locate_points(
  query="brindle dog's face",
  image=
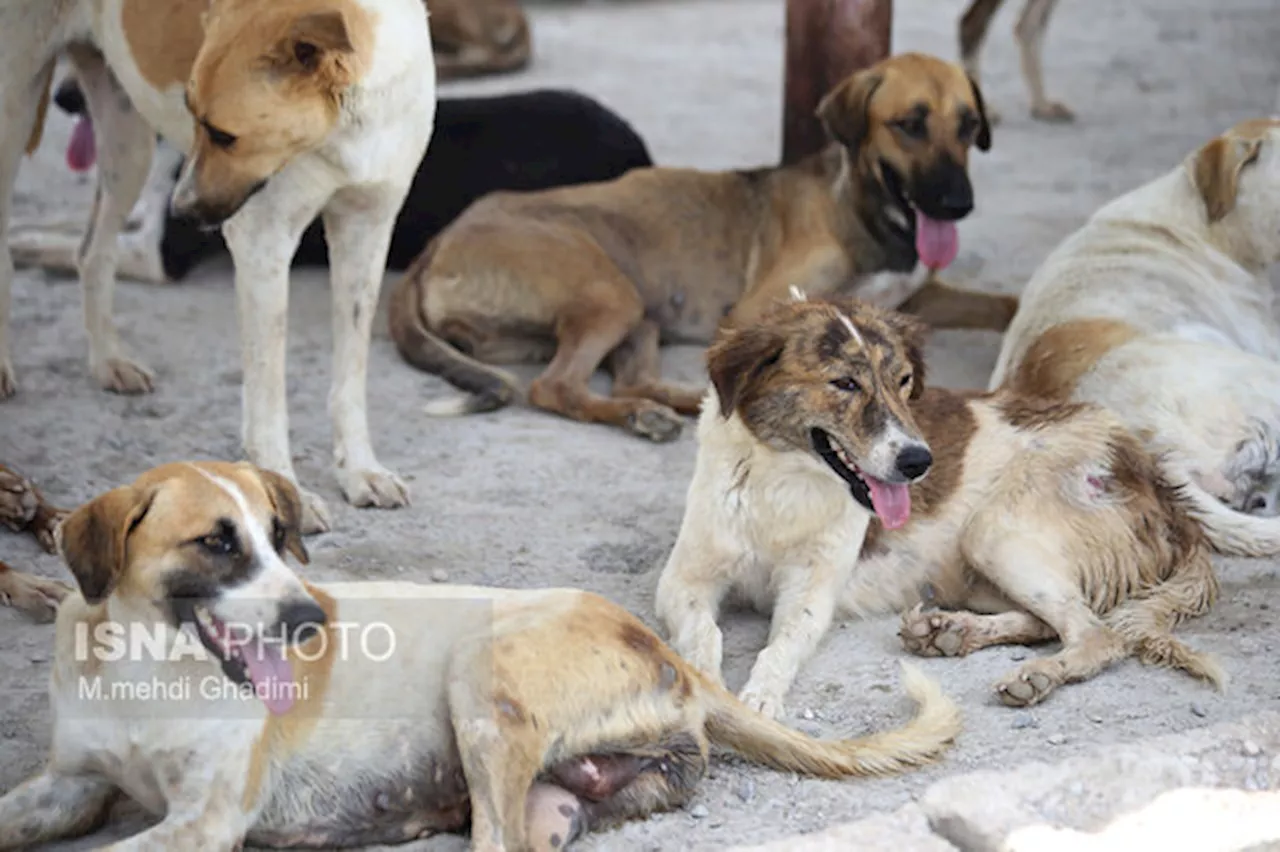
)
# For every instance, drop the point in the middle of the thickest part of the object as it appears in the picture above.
(831, 378)
(909, 122)
(266, 86)
(199, 546)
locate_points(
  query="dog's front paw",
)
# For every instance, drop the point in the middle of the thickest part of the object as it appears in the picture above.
(8, 379)
(315, 514)
(374, 487)
(1053, 112)
(1029, 685)
(766, 702)
(18, 500)
(656, 422)
(121, 375)
(934, 633)
(35, 596)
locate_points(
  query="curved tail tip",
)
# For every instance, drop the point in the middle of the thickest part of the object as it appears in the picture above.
(928, 695)
(447, 406)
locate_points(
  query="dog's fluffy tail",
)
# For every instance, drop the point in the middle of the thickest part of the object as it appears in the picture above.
(732, 724)
(487, 388)
(1230, 532)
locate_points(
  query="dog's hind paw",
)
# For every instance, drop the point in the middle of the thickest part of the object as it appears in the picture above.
(1025, 687)
(374, 487)
(655, 422)
(120, 375)
(767, 704)
(934, 633)
(35, 596)
(315, 514)
(8, 380)
(1053, 112)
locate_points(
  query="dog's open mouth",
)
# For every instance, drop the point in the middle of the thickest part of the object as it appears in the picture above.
(249, 659)
(937, 240)
(891, 502)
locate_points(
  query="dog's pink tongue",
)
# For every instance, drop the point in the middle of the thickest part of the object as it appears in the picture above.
(82, 150)
(891, 502)
(271, 673)
(937, 242)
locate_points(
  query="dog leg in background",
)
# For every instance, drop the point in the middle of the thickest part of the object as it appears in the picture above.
(358, 231)
(826, 41)
(53, 806)
(1030, 33)
(262, 237)
(943, 306)
(636, 365)
(802, 615)
(974, 25)
(125, 146)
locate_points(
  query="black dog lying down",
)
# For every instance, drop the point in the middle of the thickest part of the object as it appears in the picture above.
(523, 141)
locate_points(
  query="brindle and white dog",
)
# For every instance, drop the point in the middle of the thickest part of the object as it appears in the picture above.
(810, 495)
(529, 714)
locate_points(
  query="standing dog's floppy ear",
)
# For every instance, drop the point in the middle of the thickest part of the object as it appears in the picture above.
(738, 358)
(319, 44)
(914, 333)
(843, 111)
(983, 139)
(94, 539)
(288, 506)
(1216, 172)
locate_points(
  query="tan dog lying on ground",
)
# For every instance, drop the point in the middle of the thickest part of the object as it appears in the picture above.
(23, 509)
(604, 272)
(1029, 32)
(472, 38)
(810, 495)
(360, 713)
(1160, 308)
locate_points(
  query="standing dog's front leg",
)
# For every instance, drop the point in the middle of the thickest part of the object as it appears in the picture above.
(53, 806)
(802, 615)
(358, 225)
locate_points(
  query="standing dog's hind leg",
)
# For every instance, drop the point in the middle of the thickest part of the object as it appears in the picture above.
(125, 145)
(1030, 34)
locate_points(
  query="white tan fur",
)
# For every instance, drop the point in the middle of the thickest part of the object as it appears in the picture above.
(1044, 520)
(1160, 308)
(355, 173)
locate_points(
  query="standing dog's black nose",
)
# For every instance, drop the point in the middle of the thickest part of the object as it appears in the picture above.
(300, 620)
(915, 461)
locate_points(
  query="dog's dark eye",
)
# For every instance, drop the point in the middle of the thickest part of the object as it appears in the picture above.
(913, 127)
(277, 535)
(906, 381)
(220, 138)
(221, 543)
(968, 127)
(846, 384)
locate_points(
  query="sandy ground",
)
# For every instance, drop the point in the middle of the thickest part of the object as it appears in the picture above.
(519, 498)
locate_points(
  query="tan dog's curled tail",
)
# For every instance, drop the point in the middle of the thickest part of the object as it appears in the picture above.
(487, 388)
(732, 724)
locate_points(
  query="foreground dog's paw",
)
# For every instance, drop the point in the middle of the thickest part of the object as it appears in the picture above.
(934, 633)
(18, 500)
(373, 487)
(120, 375)
(45, 526)
(315, 514)
(655, 422)
(764, 702)
(35, 596)
(1025, 687)
(8, 381)
(1053, 112)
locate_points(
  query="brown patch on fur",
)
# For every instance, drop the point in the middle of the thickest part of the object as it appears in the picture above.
(1058, 358)
(1216, 167)
(164, 38)
(249, 124)
(1032, 413)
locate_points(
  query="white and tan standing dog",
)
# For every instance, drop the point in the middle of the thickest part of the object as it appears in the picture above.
(1160, 309)
(830, 479)
(257, 708)
(288, 109)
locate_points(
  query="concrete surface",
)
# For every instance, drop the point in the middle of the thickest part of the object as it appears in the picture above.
(519, 498)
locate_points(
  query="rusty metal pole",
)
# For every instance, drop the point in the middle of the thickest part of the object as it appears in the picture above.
(827, 40)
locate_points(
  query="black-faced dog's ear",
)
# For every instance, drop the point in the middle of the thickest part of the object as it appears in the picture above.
(288, 507)
(1216, 172)
(843, 111)
(94, 539)
(914, 333)
(983, 139)
(737, 359)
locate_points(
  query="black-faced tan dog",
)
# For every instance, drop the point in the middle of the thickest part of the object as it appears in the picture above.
(531, 715)
(605, 272)
(830, 478)
(287, 110)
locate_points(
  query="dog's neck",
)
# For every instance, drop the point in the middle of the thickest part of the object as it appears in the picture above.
(865, 213)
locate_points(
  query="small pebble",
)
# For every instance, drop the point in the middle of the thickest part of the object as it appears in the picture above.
(1250, 748)
(1057, 739)
(747, 790)
(699, 812)
(1018, 655)
(807, 713)
(1094, 718)
(1024, 720)
(399, 569)
(1200, 710)
(439, 575)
